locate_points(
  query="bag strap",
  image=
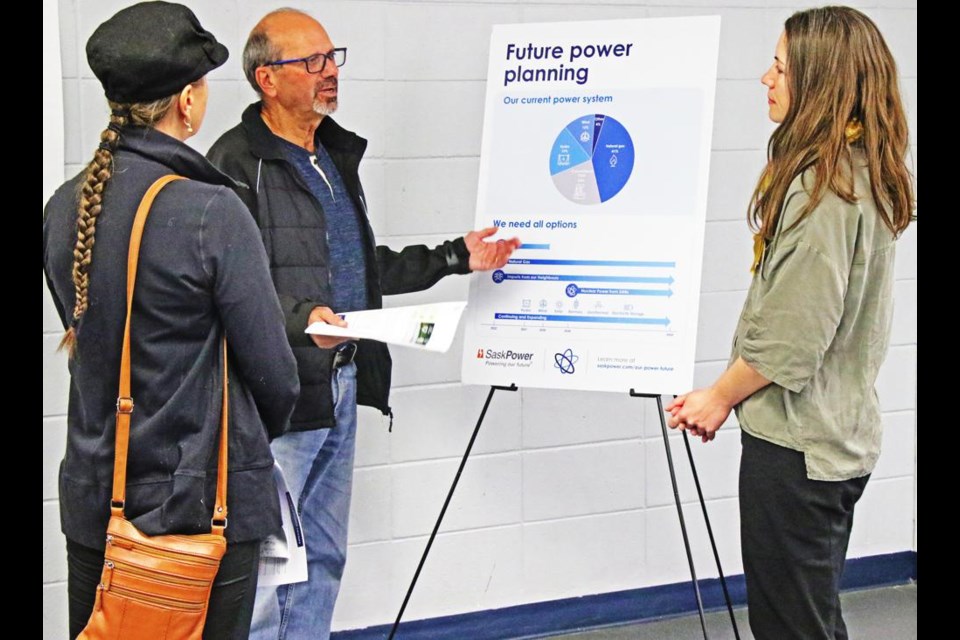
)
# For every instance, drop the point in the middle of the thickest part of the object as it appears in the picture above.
(124, 399)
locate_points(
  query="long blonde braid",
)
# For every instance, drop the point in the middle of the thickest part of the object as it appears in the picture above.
(90, 198)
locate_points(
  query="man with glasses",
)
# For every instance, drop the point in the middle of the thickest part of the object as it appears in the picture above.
(300, 171)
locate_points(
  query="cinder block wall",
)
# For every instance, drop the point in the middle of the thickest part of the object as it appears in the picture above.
(567, 494)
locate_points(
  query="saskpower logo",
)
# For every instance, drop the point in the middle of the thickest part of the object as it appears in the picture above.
(507, 354)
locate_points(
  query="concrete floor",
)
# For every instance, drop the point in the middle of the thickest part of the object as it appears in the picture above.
(885, 613)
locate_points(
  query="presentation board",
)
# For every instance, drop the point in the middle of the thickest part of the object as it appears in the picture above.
(595, 153)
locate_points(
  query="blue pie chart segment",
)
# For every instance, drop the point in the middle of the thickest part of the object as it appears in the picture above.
(585, 131)
(567, 152)
(592, 159)
(612, 158)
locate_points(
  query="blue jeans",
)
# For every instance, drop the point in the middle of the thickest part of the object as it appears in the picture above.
(318, 468)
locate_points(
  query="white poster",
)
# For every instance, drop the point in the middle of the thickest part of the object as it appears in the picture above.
(596, 152)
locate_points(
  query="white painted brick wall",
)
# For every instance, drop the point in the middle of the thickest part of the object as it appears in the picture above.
(378, 568)
(566, 494)
(606, 552)
(370, 515)
(726, 266)
(718, 319)
(571, 11)
(433, 119)
(371, 120)
(468, 570)
(55, 610)
(583, 479)
(666, 561)
(435, 422)
(373, 440)
(577, 417)
(879, 525)
(486, 495)
(733, 175)
(442, 52)
(443, 206)
(717, 466)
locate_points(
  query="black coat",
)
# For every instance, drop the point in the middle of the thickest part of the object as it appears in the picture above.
(202, 271)
(293, 227)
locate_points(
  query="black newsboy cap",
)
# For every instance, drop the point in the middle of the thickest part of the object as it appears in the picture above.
(152, 50)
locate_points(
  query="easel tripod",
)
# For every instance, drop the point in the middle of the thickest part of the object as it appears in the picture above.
(676, 495)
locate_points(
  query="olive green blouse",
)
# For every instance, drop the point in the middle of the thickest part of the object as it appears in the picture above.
(816, 323)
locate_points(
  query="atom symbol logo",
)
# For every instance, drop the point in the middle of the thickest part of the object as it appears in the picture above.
(565, 361)
(499, 276)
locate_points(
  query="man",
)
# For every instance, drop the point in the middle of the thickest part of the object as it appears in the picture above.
(301, 170)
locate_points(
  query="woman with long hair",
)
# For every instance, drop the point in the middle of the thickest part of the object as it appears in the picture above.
(202, 276)
(827, 210)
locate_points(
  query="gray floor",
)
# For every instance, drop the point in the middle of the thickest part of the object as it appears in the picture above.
(889, 612)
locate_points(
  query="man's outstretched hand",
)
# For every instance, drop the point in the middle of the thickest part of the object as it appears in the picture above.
(486, 255)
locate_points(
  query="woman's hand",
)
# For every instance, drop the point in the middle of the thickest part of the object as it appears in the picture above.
(701, 412)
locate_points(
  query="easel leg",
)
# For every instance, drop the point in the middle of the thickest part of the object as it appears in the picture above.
(443, 510)
(713, 542)
(676, 497)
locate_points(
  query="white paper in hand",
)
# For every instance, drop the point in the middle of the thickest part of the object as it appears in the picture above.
(427, 326)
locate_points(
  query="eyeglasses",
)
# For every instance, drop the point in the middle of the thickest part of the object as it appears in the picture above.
(317, 62)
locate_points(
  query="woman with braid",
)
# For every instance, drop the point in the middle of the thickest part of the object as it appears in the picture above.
(202, 275)
(828, 208)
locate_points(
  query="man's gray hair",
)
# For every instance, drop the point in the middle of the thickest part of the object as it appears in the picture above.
(259, 50)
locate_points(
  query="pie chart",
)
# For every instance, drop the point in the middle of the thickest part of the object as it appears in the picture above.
(591, 159)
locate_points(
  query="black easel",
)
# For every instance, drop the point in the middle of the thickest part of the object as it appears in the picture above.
(683, 524)
(676, 495)
(446, 503)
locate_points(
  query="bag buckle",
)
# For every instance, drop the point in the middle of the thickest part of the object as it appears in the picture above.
(125, 405)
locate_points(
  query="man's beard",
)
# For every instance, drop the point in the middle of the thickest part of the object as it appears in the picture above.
(323, 106)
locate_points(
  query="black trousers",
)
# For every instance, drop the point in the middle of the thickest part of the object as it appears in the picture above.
(794, 533)
(231, 600)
